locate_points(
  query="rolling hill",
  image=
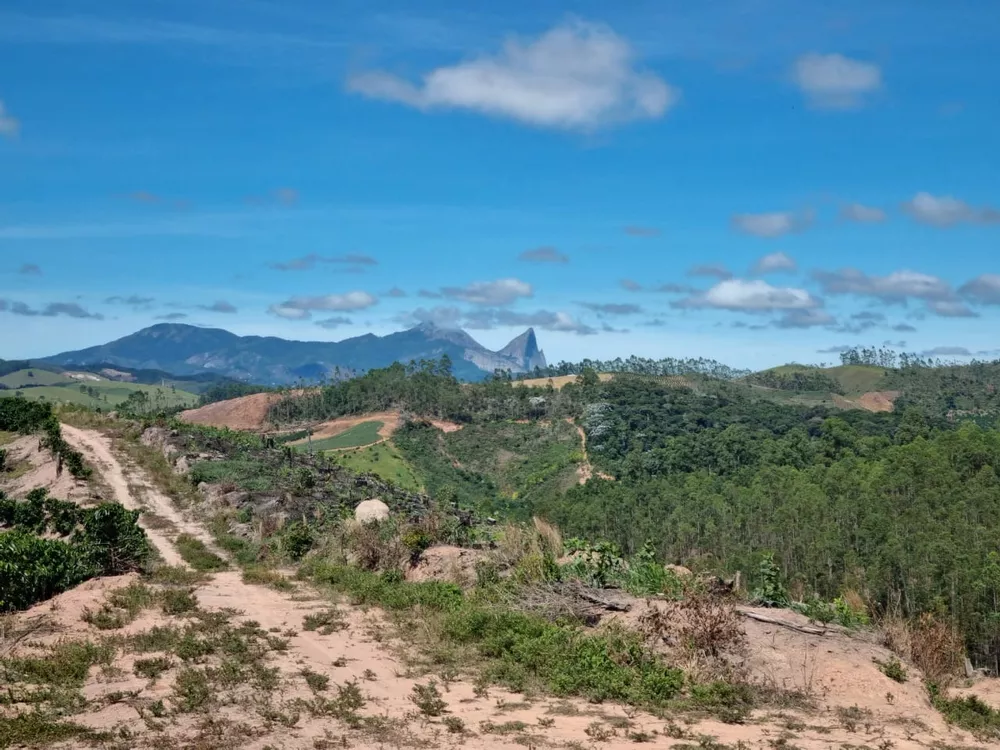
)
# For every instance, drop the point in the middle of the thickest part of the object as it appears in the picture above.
(190, 350)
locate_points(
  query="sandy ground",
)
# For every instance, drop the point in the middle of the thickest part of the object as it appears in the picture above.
(835, 670)
(558, 381)
(872, 401)
(243, 413)
(38, 468)
(585, 471)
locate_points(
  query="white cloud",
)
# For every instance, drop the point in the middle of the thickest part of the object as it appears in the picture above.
(491, 293)
(9, 125)
(834, 81)
(773, 262)
(301, 308)
(774, 224)
(549, 321)
(751, 296)
(895, 287)
(578, 76)
(862, 214)
(945, 211)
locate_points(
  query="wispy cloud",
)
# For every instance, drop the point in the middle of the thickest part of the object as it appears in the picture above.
(547, 254)
(715, 270)
(174, 316)
(945, 211)
(335, 322)
(894, 287)
(774, 262)
(630, 286)
(132, 300)
(220, 306)
(51, 310)
(774, 224)
(637, 231)
(310, 261)
(834, 81)
(578, 76)
(862, 214)
(10, 126)
(490, 293)
(30, 269)
(611, 308)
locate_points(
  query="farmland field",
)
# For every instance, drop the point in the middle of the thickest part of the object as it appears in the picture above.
(363, 434)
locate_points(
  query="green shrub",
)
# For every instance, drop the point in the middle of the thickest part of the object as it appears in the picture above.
(969, 713)
(34, 569)
(771, 591)
(296, 540)
(113, 539)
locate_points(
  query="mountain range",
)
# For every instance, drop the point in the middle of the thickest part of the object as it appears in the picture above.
(189, 350)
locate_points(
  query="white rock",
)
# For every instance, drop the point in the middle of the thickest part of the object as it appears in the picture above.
(371, 511)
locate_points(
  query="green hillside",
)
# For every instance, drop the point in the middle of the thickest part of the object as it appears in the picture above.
(32, 377)
(103, 394)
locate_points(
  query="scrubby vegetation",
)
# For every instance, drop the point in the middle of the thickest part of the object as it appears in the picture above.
(28, 417)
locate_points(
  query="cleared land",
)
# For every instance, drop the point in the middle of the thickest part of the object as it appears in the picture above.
(243, 413)
(559, 381)
(384, 461)
(22, 378)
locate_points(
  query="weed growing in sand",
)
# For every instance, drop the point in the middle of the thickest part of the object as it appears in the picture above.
(38, 729)
(454, 724)
(325, 622)
(265, 577)
(317, 682)
(192, 690)
(178, 601)
(197, 555)
(65, 665)
(892, 668)
(428, 699)
(151, 668)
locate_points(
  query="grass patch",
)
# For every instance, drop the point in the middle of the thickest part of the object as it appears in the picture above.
(265, 577)
(519, 651)
(362, 434)
(197, 555)
(178, 601)
(66, 665)
(151, 668)
(173, 575)
(384, 461)
(37, 729)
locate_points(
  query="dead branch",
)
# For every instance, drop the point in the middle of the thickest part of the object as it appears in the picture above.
(808, 630)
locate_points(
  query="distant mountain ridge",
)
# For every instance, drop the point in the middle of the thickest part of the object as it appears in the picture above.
(190, 350)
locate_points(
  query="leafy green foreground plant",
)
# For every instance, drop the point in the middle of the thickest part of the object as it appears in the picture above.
(107, 541)
(520, 651)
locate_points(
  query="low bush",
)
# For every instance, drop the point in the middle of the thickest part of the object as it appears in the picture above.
(969, 713)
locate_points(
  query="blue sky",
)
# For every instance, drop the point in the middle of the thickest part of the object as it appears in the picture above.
(751, 180)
